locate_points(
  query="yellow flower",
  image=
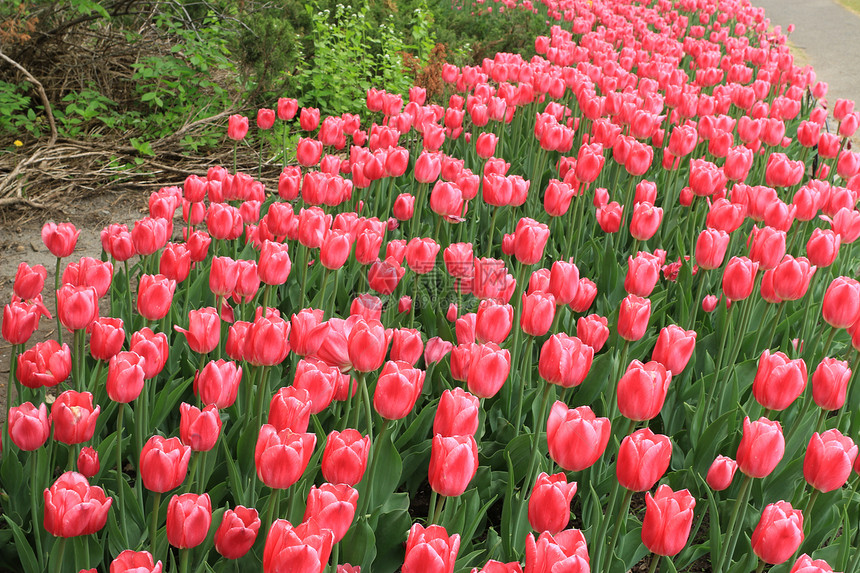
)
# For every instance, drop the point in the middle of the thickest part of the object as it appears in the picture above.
(18, 143)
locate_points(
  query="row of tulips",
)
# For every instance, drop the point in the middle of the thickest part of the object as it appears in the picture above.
(309, 399)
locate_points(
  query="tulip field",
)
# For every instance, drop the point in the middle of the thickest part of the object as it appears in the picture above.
(596, 310)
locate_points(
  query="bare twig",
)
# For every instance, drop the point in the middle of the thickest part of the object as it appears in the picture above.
(42, 95)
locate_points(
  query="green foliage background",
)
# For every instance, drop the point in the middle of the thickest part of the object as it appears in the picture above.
(156, 67)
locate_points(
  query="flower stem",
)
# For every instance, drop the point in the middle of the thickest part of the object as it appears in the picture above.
(524, 379)
(619, 519)
(153, 524)
(119, 478)
(58, 566)
(57, 300)
(34, 507)
(655, 559)
(738, 510)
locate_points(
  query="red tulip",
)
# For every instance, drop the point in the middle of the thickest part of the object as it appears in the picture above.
(163, 463)
(74, 417)
(367, 345)
(668, 519)
(566, 551)
(397, 389)
(711, 248)
(60, 239)
(739, 278)
(456, 414)
(89, 272)
(453, 464)
(20, 321)
(188, 519)
(805, 564)
(406, 345)
(762, 447)
(77, 307)
(549, 503)
(841, 306)
(29, 427)
(645, 221)
(778, 534)
(153, 348)
(198, 429)
(237, 127)
(721, 473)
(224, 222)
(237, 532)
(281, 457)
(154, 296)
(828, 460)
(642, 390)
(538, 311)
(576, 438)
(290, 409)
(642, 274)
(565, 360)
(301, 549)
(633, 317)
(674, 348)
(107, 337)
(830, 383)
(767, 247)
(489, 367)
(116, 240)
(88, 462)
(642, 459)
(134, 562)
(45, 364)
(29, 281)
(204, 330)
(430, 550)
(125, 377)
(265, 118)
(823, 247)
(345, 457)
(493, 321)
(218, 383)
(268, 340)
(150, 234)
(320, 381)
(333, 507)
(778, 380)
(384, 275)
(593, 331)
(494, 566)
(73, 507)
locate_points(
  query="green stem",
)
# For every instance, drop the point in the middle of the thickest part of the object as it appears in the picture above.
(262, 392)
(760, 567)
(697, 301)
(56, 300)
(655, 559)
(34, 508)
(153, 524)
(271, 509)
(524, 379)
(739, 509)
(431, 510)
(365, 398)
(58, 565)
(119, 477)
(192, 471)
(492, 231)
(536, 437)
(184, 566)
(439, 506)
(619, 519)
(346, 413)
(807, 512)
(719, 361)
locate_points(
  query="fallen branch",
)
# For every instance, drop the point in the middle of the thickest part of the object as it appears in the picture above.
(42, 95)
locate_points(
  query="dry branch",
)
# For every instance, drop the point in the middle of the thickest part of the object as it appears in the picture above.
(42, 95)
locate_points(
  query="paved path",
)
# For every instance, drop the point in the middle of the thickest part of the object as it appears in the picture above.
(827, 33)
